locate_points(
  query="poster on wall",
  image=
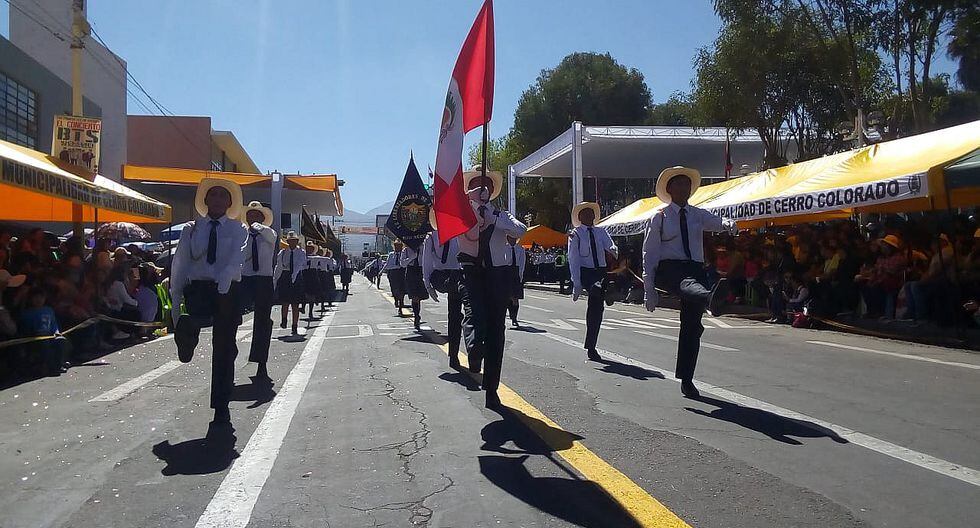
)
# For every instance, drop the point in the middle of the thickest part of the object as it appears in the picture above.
(76, 140)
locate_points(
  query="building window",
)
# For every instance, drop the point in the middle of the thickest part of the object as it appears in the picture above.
(18, 113)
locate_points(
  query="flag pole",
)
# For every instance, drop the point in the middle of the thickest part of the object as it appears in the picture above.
(484, 164)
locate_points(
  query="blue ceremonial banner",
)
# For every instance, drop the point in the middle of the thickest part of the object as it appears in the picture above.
(409, 218)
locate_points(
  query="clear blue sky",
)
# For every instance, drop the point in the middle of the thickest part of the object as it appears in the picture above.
(352, 86)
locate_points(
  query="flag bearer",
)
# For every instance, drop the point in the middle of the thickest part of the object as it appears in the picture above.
(414, 285)
(486, 278)
(207, 269)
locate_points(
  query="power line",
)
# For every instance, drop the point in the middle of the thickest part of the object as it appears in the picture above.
(33, 17)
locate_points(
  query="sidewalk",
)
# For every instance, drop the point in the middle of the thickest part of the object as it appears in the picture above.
(901, 330)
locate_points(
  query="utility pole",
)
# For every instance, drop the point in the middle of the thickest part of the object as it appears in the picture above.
(80, 30)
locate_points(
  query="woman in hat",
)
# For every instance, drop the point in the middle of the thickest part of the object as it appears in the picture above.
(258, 287)
(673, 260)
(591, 253)
(289, 287)
(207, 269)
(395, 270)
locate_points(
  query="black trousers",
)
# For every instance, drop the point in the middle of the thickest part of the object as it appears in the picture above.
(486, 294)
(594, 284)
(512, 307)
(687, 280)
(224, 312)
(455, 301)
(257, 291)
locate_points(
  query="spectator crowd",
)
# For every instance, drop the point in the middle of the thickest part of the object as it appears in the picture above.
(50, 285)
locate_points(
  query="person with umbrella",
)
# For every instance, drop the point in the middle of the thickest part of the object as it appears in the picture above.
(257, 285)
(207, 269)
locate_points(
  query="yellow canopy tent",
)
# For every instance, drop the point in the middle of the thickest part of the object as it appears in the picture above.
(632, 219)
(903, 175)
(543, 236)
(323, 183)
(35, 187)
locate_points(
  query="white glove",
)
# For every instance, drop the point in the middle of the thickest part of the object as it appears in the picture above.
(650, 299)
(432, 293)
(576, 292)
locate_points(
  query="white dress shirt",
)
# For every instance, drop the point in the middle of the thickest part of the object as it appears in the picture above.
(580, 250)
(410, 257)
(394, 261)
(327, 264)
(517, 251)
(264, 237)
(663, 240)
(503, 224)
(282, 263)
(432, 256)
(190, 261)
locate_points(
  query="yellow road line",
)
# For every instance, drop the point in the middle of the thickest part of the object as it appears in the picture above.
(646, 510)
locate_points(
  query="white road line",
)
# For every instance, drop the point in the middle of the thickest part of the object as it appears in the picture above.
(536, 308)
(937, 465)
(232, 504)
(896, 354)
(674, 338)
(536, 297)
(718, 322)
(135, 383)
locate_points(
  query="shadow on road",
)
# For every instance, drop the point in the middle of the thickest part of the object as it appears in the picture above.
(576, 501)
(572, 499)
(201, 456)
(765, 422)
(461, 378)
(630, 371)
(259, 392)
(528, 329)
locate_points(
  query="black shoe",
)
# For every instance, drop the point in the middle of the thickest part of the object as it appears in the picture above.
(689, 390)
(513, 323)
(718, 297)
(418, 322)
(493, 401)
(222, 415)
(185, 339)
(282, 324)
(593, 355)
(295, 330)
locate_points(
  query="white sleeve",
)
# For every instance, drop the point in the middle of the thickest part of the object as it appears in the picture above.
(510, 225)
(712, 222)
(277, 270)
(612, 245)
(651, 250)
(573, 259)
(427, 255)
(233, 269)
(179, 265)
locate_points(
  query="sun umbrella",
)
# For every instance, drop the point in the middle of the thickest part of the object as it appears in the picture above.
(122, 232)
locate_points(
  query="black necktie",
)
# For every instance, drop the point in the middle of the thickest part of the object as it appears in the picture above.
(684, 234)
(398, 259)
(213, 242)
(445, 252)
(513, 255)
(255, 252)
(595, 254)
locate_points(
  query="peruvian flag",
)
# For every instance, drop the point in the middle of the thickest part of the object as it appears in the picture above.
(469, 104)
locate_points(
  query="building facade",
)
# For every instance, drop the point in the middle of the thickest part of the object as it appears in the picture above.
(103, 72)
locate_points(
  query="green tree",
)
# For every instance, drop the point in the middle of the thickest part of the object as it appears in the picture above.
(678, 110)
(964, 45)
(588, 87)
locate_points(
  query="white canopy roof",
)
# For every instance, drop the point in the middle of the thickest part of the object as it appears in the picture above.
(643, 151)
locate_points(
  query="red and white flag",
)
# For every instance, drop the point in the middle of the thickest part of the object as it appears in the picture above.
(469, 104)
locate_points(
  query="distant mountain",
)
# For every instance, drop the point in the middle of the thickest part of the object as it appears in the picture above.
(352, 217)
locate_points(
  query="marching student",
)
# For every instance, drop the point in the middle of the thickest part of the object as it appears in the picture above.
(516, 262)
(328, 277)
(441, 273)
(673, 260)
(395, 270)
(311, 278)
(346, 272)
(590, 252)
(207, 269)
(289, 288)
(258, 288)
(414, 284)
(486, 278)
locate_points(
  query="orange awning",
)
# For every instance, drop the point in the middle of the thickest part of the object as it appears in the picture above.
(544, 236)
(35, 187)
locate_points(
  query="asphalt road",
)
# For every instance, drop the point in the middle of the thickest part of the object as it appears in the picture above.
(367, 426)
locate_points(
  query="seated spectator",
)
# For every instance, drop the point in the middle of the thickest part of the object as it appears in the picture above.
(8, 328)
(119, 304)
(800, 296)
(38, 319)
(881, 282)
